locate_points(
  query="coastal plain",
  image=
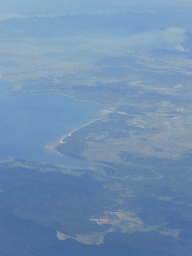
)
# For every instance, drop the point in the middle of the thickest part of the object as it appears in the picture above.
(138, 177)
(118, 182)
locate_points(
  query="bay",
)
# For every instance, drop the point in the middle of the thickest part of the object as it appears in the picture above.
(31, 121)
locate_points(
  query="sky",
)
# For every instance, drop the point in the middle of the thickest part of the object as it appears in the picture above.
(59, 7)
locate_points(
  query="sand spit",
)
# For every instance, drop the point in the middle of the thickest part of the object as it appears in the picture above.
(69, 134)
(51, 148)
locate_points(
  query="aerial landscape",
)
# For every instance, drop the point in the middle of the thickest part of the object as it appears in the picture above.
(96, 128)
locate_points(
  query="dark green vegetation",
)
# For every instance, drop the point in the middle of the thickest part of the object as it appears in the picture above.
(130, 191)
(37, 200)
(58, 201)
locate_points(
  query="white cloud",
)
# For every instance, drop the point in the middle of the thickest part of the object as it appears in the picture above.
(170, 38)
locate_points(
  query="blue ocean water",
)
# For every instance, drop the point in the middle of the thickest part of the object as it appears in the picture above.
(31, 121)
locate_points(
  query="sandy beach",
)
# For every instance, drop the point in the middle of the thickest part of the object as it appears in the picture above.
(51, 148)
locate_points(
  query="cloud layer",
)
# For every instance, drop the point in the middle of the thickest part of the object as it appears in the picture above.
(170, 38)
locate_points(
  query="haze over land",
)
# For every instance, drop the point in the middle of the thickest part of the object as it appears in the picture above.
(119, 182)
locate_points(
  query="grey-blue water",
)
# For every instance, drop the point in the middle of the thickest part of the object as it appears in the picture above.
(29, 122)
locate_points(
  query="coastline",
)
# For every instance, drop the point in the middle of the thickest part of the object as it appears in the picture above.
(69, 134)
(51, 148)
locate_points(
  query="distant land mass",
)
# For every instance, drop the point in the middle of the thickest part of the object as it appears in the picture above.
(96, 131)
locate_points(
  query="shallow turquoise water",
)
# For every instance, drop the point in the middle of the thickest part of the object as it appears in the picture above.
(29, 122)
